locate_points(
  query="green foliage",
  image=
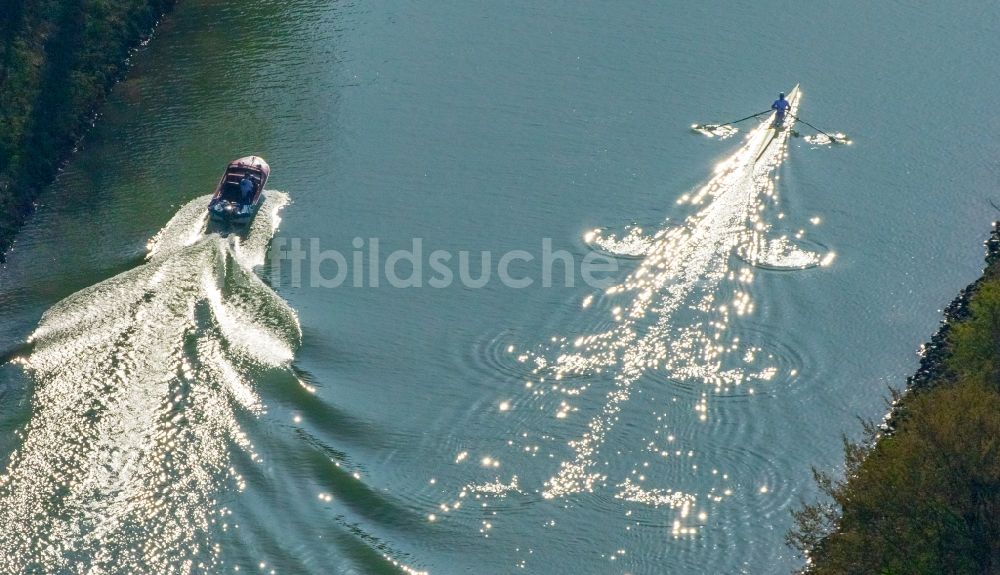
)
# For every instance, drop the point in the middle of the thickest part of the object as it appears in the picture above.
(976, 343)
(58, 58)
(926, 499)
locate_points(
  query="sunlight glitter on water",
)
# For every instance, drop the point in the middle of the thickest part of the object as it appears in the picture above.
(139, 383)
(680, 273)
(683, 268)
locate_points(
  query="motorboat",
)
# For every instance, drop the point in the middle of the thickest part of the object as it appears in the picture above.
(231, 203)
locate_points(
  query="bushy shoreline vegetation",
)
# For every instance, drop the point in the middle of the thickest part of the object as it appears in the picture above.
(58, 59)
(922, 491)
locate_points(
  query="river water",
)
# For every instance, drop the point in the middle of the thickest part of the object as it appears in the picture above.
(176, 399)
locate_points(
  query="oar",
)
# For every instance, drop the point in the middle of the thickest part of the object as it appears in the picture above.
(833, 139)
(714, 126)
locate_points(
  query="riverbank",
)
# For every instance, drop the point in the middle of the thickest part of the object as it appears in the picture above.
(58, 61)
(922, 490)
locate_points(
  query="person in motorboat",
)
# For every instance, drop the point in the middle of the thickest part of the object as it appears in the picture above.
(246, 188)
(780, 107)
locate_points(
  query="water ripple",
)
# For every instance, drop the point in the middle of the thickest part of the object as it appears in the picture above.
(140, 382)
(679, 332)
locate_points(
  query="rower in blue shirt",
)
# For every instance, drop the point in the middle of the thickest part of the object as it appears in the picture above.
(780, 106)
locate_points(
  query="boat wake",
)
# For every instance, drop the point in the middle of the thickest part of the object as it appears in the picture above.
(681, 274)
(140, 385)
(670, 321)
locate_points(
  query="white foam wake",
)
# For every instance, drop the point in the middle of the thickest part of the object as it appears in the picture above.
(140, 380)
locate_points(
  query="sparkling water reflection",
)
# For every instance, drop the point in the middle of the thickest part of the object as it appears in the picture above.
(139, 383)
(674, 317)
